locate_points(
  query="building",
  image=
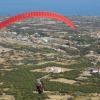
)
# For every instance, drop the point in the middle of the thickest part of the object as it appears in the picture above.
(91, 52)
(95, 70)
(56, 70)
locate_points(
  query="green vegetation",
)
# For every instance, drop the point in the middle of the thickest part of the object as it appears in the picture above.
(21, 82)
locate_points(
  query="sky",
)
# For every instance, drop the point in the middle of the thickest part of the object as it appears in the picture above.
(65, 7)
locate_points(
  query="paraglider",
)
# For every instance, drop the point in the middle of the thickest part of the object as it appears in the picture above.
(40, 87)
(36, 14)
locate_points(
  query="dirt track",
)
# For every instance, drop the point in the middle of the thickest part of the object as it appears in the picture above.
(64, 80)
(7, 97)
(58, 97)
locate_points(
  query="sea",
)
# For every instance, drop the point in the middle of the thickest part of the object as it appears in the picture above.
(63, 12)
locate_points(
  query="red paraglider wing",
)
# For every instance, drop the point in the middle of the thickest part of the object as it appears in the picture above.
(36, 14)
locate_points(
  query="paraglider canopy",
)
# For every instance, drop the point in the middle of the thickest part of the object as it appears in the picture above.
(37, 14)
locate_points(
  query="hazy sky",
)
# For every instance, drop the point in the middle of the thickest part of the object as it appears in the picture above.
(65, 7)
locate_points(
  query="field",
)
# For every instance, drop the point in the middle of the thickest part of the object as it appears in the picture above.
(20, 69)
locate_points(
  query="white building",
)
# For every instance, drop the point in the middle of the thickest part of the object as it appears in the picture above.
(91, 52)
(95, 70)
(56, 70)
